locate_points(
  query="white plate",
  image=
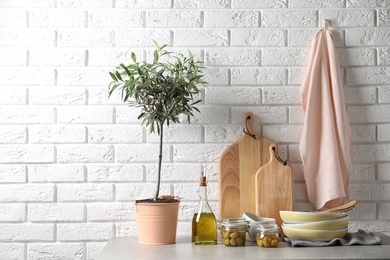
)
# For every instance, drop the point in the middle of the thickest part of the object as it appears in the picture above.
(303, 217)
(314, 235)
(321, 225)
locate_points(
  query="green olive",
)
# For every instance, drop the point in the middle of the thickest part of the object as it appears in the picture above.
(233, 242)
(259, 241)
(225, 234)
(240, 241)
(267, 241)
(234, 235)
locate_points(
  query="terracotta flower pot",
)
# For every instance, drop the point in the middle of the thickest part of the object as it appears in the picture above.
(156, 222)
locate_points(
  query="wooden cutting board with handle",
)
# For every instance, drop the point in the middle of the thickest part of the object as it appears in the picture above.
(238, 165)
(274, 187)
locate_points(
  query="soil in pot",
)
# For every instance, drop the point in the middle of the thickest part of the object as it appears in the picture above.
(157, 200)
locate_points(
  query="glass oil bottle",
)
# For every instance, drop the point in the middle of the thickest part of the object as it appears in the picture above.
(204, 223)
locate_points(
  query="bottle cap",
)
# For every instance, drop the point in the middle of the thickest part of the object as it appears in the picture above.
(202, 180)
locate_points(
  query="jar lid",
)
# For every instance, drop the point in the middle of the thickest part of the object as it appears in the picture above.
(267, 227)
(233, 222)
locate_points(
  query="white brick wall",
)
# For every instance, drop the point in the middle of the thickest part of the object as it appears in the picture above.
(72, 160)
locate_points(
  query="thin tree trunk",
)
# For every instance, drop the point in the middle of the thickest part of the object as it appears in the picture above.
(159, 161)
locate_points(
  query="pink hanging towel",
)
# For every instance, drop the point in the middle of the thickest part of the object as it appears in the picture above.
(326, 136)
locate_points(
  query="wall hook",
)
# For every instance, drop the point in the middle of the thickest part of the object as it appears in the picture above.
(326, 24)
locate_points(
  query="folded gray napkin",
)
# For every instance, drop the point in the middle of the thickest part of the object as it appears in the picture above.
(359, 238)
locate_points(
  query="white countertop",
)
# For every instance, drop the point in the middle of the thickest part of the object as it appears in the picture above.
(129, 248)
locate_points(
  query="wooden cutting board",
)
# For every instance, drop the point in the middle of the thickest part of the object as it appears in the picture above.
(274, 188)
(238, 165)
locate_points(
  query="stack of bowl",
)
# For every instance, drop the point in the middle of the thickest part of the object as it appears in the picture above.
(314, 226)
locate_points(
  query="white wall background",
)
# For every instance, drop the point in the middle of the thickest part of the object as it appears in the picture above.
(72, 160)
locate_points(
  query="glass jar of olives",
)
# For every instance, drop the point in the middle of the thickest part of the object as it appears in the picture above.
(234, 231)
(267, 235)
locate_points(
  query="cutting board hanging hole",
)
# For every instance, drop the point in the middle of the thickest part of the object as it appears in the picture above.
(246, 129)
(278, 157)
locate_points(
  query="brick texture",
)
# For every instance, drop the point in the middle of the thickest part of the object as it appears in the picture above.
(72, 159)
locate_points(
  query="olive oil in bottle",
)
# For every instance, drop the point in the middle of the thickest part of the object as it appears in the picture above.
(204, 224)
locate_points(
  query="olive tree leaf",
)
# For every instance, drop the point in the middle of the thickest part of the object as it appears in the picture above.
(133, 57)
(118, 75)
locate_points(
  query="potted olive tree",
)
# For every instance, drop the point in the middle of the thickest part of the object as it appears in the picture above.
(163, 89)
